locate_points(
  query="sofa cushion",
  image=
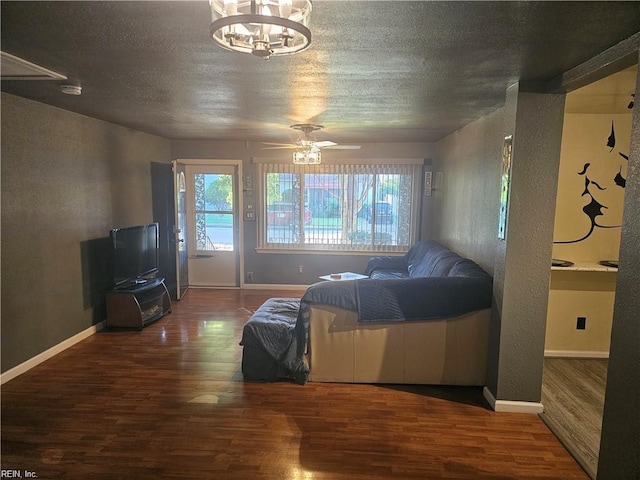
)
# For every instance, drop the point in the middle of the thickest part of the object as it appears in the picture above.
(467, 268)
(382, 274)
(432, 254)
(422, 249)
(443, 263)
(388, 264)
(424, 259)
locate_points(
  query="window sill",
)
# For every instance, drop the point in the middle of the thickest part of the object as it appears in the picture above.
(292, 251)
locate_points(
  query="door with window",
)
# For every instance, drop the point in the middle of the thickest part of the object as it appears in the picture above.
(180, 229)
(212, 224)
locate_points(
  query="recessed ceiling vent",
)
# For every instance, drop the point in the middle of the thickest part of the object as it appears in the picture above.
(15, 68)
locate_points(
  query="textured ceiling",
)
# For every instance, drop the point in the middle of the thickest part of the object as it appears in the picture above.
(376, 70)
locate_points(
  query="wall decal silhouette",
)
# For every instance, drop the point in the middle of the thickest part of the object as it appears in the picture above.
(594, 208)
(619, 179)
(611, 141)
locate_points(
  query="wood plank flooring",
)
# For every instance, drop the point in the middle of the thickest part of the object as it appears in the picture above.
(169, 402)
(573, 397)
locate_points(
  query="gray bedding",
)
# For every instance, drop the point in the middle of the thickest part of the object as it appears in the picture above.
(272, 330)
(403, 299)
(279, 330)
(421, 298)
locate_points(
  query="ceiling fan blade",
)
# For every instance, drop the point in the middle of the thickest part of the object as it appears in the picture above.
(344, 147)
(325, 144)
(277, 143)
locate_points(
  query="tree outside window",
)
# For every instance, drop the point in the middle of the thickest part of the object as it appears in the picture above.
(365, 208)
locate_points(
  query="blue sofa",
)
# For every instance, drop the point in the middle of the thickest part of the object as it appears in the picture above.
(430, 281)
(421, 318)
(425, 259)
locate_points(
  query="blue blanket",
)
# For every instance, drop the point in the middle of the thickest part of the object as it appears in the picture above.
(402, 299)
(274, 329)
(426, 298)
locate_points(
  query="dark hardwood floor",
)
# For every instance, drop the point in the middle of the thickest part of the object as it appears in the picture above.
(169, 402)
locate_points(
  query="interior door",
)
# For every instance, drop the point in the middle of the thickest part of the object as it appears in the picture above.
(212, 223)
(164, 207)
(180, 233)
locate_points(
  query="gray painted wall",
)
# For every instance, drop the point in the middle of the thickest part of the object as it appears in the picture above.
(523, 260)
(277, 268)
(517, 341)
(468, 206)
(468, 201)
(67, 180)
(620, 441)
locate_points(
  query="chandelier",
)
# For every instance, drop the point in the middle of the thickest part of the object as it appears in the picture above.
(263, 28)
(307, 155)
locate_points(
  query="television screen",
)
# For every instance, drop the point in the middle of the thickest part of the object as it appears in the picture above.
(135, 254)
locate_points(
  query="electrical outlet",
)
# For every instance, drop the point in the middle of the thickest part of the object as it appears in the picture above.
(248, 277)
(581, 323)
(300, 268)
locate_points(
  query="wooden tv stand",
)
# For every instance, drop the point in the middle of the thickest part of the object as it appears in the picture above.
(139, 305)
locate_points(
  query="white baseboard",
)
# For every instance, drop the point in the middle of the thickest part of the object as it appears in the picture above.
(47, 354)
(270, 286)
(510, 406)
(574, 354)
(256, 286)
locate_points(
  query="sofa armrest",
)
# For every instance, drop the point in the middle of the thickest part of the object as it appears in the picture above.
(386, 263)
(403, 299)
(422, 298)
(340, 294)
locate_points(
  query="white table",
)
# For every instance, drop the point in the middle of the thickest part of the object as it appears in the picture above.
(343, 276)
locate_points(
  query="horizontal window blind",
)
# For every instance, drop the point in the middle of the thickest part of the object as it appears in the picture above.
(339, 207)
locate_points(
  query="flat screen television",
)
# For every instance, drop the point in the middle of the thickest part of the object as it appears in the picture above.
(134, 255)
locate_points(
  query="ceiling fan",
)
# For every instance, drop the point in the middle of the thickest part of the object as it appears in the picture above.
(307, 141)
(306, 149)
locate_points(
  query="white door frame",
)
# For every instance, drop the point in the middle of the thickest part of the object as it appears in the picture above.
(240, 191)
(179, 234)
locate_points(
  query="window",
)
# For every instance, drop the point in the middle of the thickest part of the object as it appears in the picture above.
(368, 208)
(213, 211)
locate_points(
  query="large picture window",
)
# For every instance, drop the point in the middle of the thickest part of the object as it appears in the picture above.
(368, 208)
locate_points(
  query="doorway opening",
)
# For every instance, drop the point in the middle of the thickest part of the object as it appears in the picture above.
(589, 207)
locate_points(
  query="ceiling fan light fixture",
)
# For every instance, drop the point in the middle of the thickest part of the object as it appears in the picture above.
(263, 28)
(307, 156)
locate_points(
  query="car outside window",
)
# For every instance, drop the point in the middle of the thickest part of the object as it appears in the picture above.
(366, 208)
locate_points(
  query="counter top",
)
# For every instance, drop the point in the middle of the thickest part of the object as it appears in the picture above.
(586, 267)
